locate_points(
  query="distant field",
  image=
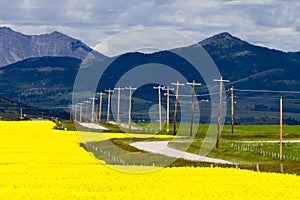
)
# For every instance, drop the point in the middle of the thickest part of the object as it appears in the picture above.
(245, 132)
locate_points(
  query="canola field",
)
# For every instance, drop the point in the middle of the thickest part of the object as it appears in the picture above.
(38, 162)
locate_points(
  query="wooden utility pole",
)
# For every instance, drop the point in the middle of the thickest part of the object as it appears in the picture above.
(109, 91)
(93, 109)
(129, 105)
(176, 105)
(219, 109)
(119, 102)
(71, 110)
(168, 106)
(232, 109)
(75, 113)
(21, 113)
(159, 105)
(193, 105)
(97, 112)
(100, 105)
(80, 112)
(280, 116)
(86, 110)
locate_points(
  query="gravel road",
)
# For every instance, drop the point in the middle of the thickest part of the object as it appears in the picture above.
(161, 147)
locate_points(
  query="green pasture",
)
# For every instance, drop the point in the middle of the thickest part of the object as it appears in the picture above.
(247, 146)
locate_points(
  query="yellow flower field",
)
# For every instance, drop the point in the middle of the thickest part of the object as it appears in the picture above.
(38, 162)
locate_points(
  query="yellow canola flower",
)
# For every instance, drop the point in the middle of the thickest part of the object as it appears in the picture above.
(38, 162)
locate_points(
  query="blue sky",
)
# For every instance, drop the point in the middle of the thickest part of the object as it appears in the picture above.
(270, 23)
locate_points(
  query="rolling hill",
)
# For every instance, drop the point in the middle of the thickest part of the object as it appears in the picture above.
(10, 110)
(254, 67)
(44, 82)
(47, 82)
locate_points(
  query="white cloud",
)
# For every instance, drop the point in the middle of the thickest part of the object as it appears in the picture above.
(92, 20)
(144, 39)
(252, 2)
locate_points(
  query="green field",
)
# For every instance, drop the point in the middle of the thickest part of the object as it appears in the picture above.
(248, 147)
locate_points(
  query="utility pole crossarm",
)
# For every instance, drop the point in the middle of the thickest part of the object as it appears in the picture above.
(221, 80)
(178, 84)
(130, 87)
(167, 88)
(109, 91)
(193, 83)
(119, 88)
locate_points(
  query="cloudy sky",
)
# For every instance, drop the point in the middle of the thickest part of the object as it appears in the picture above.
(270, 23)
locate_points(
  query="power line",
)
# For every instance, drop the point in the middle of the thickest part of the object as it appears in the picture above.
(198, 95)
(261, 97)
(268, 91)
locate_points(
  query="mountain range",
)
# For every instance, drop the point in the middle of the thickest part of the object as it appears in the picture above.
(43, 75)
(15, 46)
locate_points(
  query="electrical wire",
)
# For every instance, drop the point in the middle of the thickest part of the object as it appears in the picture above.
(197, 95)
(267, 91)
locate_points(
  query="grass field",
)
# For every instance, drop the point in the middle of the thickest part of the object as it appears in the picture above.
(38, 162)
(246, 146)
